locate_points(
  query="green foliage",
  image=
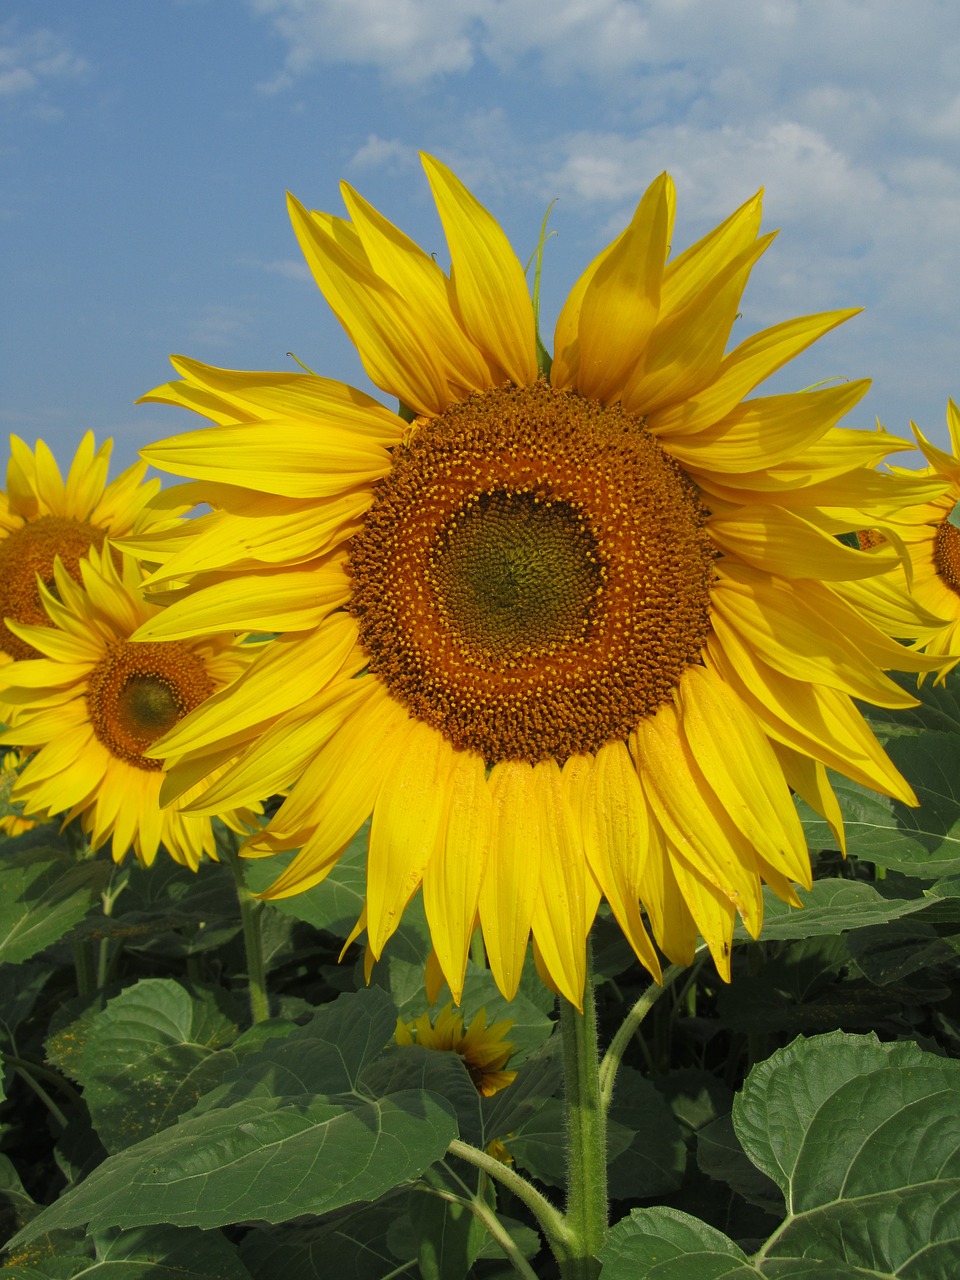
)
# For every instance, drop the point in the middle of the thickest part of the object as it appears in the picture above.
(43, 894)
(863, 1141)
(800, 1121)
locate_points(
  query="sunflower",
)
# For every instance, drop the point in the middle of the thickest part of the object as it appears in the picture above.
(88, 708)
(483, 1049)
(564, 630)
(12, 823)
(930, 570)
(42, 517)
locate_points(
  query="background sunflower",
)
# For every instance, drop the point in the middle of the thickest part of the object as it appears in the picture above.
(91, 705)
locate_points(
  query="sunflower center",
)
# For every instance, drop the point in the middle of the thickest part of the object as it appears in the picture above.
(139, 690)
(533, 576)
(29, 551)
(946, 554)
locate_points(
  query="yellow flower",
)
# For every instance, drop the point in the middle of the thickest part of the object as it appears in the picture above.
(563, 632)
(12, 824)
(483, 1049)
(90, 706)
(42, 517)
(931, 572)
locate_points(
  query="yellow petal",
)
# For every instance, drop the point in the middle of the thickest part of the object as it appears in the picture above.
(817, 721)
(280, 600)
(782, 542)
(616, 831)
(622, 301)
(746, 366)
(511, 883)
(492, 298)
(406, 828)
(809, 779)
(687, 346)
(397, 356)
(742, 770)
(290, 458)
(559, 918)
(452, 878)
(426, 290)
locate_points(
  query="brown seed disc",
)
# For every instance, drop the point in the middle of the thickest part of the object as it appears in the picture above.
(139, 690)
(533, 576)
(946, 554)
(31, 550)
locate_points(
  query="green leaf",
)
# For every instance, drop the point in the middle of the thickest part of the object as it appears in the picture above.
(153, 1253)
(665, 1244)
(439, 1071)
(149, 1056)
(721, 1157)
(653, 1160)
(43, 894)
(335, 903)
(355, 1246)
(449, 1237)
(171, 911)
(830, 906)
(920, 842)
(537, 1080)
(325, 1057)
(863, 1139)
(263, 1159)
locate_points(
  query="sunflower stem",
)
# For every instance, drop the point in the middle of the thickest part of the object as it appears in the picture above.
(549, 1218)
(251, 910)
(586, 1125)
(85, 966)
(628, 1028)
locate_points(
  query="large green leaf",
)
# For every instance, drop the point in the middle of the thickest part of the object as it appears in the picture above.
(358, 1245)
(415, 1067)
(665, 1244)
(263, 1159)
(43, 894)
(327, 1056)
(149, 1056)
(863, 1140)
(151, 1253)
(922, 841)
(829, 906)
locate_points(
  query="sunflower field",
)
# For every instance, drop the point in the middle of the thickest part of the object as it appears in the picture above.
(509, 825)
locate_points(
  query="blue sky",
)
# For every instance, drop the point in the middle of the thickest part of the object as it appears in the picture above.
(145, 149)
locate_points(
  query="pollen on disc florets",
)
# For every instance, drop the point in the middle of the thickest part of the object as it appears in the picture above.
(946, 554)
(139, 690)
(533, 576)
(32, 550)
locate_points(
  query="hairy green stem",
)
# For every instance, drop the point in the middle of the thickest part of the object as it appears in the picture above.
(483, 1213)
(586, 1122)
(251, 909)
(625, 1033)
(549, 1218)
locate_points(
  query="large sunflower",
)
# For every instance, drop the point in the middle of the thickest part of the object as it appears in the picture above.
(562, 632)
(42, 517)
(88, 708)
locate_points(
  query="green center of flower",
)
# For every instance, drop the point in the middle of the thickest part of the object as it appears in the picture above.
(533, 576)
(946, 554)
(515, 574)
(31, 551)
(139, 690)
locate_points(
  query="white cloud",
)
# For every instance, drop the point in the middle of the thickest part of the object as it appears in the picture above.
(30, 61)
(289, 268)
(383, 153)
(219, 326)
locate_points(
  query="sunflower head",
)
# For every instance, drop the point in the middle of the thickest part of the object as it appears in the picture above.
(559, 638)
(483, 1049)
(43, 517)
(88, 710)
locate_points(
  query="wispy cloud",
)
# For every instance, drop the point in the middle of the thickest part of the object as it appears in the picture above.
(219, 326)
(32, 61)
